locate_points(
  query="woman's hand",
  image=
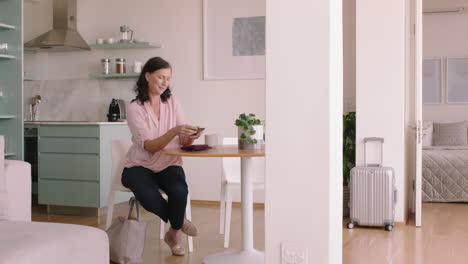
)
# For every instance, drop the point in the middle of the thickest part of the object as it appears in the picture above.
(185, 130)
(197, 135)
(189, 139)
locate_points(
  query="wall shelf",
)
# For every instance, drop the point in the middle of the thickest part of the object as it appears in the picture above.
(6, 26)
(4, 56)
(116, 75)
(7, 117)
(9, 154)
(118, 45)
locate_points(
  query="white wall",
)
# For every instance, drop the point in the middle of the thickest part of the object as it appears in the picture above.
(445, 36)
(380, 84)
(349, 55)
(177, 26)
(303, 164)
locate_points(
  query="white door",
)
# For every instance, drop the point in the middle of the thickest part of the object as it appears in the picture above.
(418, 109)
(413, 119)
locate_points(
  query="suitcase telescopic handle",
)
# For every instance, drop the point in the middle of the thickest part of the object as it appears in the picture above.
(373, 139)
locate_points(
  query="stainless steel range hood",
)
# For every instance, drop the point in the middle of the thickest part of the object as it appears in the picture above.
(63, 36)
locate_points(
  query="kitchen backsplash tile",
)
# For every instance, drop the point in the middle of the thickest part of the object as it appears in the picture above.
(76, 100)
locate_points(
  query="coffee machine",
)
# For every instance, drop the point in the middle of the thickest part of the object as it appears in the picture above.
(116, 111)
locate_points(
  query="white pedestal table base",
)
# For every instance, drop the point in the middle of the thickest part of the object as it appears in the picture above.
(238, 257)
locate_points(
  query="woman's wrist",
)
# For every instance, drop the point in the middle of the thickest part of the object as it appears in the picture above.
(172, 132)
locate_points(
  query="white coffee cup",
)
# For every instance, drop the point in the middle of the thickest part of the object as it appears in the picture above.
(109, 41)
(99, 41)
(211, 140)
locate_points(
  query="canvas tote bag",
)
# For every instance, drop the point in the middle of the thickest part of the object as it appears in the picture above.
(127, 237)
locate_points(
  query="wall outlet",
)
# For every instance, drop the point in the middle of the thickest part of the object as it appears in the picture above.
(293, 253)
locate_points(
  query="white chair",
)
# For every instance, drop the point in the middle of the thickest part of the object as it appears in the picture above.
(119, 149)
(230, 180)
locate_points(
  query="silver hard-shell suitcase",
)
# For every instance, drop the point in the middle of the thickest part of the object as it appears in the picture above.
(372, 193)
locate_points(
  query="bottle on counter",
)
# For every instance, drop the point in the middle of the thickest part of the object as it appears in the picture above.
(120, 65)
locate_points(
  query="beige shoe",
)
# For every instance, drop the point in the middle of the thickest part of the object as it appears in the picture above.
(189, 228)
(176, 249)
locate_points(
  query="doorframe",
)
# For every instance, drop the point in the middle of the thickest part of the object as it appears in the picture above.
(418, 105)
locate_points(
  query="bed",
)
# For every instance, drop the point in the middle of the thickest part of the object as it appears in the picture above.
(445, 162)
(445, 174)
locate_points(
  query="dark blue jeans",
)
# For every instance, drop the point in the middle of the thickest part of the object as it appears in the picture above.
(145, 185)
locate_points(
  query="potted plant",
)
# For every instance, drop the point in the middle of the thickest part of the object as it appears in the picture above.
(349, 155)
(250, 131)
(349, 145)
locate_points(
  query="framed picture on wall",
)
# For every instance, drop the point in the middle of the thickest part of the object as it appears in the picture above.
(457, 80)
(233, 39)
(432, 81)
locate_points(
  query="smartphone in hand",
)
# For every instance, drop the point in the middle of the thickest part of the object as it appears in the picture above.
(199, 129)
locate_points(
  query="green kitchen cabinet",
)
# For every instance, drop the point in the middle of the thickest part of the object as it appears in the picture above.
(11, 78)
(74, 163)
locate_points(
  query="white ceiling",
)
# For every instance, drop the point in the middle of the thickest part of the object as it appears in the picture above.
(445, 3)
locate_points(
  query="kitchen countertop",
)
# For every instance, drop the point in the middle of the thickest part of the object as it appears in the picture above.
(74, 123)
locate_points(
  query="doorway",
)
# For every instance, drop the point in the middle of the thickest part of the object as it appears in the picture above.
(444, 103)
(439, 102)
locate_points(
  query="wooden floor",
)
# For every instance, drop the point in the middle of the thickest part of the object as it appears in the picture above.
(209, 241)
(443, 239)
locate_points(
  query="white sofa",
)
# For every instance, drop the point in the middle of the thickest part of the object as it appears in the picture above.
(26, 242)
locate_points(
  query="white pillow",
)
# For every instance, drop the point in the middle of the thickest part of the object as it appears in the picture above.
(450, 134)
(3, 191)
(428, 128)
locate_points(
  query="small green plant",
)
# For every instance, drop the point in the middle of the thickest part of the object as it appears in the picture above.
(246, 122)
(349, 145)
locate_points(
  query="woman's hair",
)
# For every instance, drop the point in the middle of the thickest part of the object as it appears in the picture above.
(141, 87)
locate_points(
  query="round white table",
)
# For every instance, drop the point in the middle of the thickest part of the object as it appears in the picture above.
(247, 254)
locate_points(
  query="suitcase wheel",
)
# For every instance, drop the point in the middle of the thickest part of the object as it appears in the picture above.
(389, 227)
(350, 225)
